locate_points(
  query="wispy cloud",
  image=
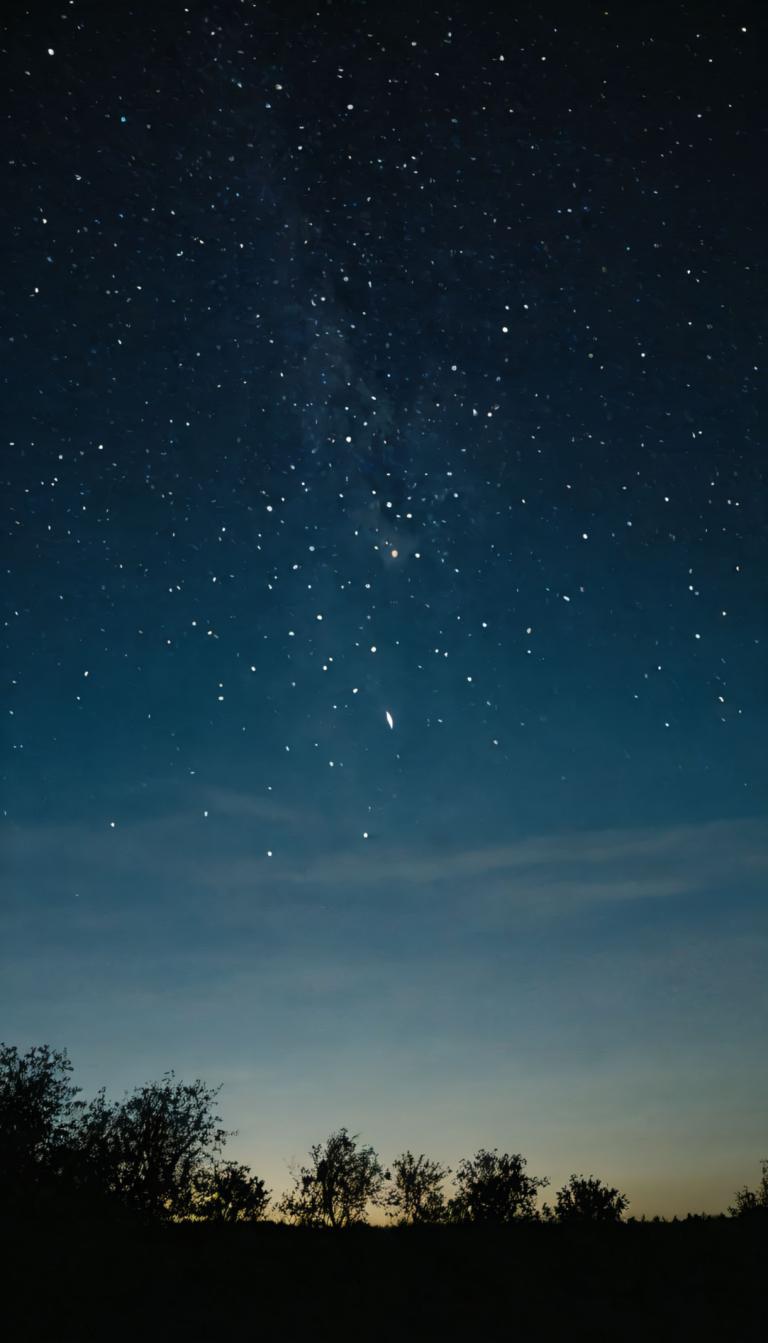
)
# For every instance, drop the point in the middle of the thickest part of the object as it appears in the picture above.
(683, 857)
(222, 857)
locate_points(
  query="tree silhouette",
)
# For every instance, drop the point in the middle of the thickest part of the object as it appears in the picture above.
(494, 1189)
(157, 1153)
(38, 1111)
(416, 1196)
(588, 1200)
(93, 1154)
(752, 1203)
(148, 1149)
(337, 1185)
(229, 1193)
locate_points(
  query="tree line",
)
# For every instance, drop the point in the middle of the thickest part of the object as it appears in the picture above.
(157, 1154)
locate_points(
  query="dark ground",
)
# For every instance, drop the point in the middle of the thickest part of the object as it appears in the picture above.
(686, 1280)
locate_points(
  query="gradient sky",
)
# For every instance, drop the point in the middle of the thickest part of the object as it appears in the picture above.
(369, 360)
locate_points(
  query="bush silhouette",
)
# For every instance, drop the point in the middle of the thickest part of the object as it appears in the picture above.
(337, 1185)
(148, 1148)
(752, 1203)
(588, 1200)
(416, 1195)
(228, 1193)
(156, 1154)
(493, 1188)
(38, 1114)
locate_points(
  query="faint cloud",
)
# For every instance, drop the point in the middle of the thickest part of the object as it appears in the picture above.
(541, 874)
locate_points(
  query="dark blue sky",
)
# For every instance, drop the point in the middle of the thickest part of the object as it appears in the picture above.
(362, 362)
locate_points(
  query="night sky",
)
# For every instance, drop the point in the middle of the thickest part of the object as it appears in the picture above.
(385, 569)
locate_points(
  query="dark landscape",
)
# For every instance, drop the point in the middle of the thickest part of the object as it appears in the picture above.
(126, 1213)
(688, 1280)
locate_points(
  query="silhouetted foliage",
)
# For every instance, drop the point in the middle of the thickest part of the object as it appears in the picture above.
(588, 1200)
(229, 1193)
(337, 1186)
(148, 1148)
(156, 1155)
(753, 1203)
(38, 1111)
(416, 1195)
(494, 1189)
(93, 1160)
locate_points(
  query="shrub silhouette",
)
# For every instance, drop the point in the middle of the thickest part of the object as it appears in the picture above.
(493, 1188)
(337, 1185)
(752, 1203)
(228, 1193)
(416, 1195)
(157, 1153)
(588, 1200)
(148, 1148)
(38, 1113)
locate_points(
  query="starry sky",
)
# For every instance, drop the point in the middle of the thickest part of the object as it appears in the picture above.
(385, 571)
